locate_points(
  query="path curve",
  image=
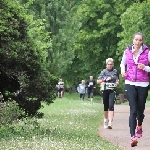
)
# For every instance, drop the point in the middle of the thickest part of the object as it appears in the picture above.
(120, 135)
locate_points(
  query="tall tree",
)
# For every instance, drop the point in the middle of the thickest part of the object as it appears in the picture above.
(99, 24)
(135, 19)
(24, 43)
(59, 23)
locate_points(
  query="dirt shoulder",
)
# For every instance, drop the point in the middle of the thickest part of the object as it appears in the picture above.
(120, 135)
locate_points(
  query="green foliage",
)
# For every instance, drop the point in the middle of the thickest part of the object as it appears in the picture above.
(26, 128)
(96, 40)
(9, 112)
(42, 40)
(134, 21)
(24, 51)
(13, 32)
(121, 86)
(58, 22)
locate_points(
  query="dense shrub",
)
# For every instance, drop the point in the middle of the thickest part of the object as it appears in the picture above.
(9, 112)
(24, 70)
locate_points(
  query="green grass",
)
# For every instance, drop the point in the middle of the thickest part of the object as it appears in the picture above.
(68, 124)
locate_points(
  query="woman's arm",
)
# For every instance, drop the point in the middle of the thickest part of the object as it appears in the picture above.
(142, 66)
(101, 77)
(123, 64)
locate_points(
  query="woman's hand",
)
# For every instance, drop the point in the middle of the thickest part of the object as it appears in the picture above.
(108, 78)
(99, 81)
(117, 82)
(124, 74)
(141, 66)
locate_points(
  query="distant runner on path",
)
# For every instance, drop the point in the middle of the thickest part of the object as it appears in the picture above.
(60, 88)
(134, 68)
(82, 90)
(91, 86)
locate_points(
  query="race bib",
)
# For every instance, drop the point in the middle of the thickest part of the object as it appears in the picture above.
(90, 83)
(111, 85)
(108, 86)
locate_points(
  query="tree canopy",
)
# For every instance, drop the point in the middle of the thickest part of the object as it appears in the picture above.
(24, 49)
(42, 41)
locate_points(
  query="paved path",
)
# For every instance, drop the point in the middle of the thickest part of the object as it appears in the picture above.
(120, 135)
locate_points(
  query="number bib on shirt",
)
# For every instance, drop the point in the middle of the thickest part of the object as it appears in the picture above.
(108, 86)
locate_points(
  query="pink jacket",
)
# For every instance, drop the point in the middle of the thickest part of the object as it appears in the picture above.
(133, 73)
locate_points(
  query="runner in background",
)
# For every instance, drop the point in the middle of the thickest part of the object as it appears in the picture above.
(60, 88)
(90, 88)
(108, 79)
(82, 90)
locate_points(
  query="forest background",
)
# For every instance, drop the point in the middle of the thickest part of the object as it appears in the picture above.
(44, 40)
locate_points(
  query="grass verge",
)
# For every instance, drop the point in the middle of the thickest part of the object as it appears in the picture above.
(68, 124)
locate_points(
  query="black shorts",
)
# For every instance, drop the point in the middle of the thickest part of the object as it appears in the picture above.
(60, 89)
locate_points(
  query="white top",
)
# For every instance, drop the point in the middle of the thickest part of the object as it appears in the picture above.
(61, 84)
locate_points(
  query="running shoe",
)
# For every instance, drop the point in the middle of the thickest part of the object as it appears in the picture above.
(133, 141)
(105, 124)
(109, 125)
(138, 132)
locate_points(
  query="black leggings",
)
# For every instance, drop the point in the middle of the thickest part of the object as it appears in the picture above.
(136, 96)
(90, 93)
(109, 100)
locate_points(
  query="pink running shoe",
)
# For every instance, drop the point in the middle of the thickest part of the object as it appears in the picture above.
(138, 132)
(133, 141)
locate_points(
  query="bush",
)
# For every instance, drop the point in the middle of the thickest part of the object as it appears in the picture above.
(9, 112)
